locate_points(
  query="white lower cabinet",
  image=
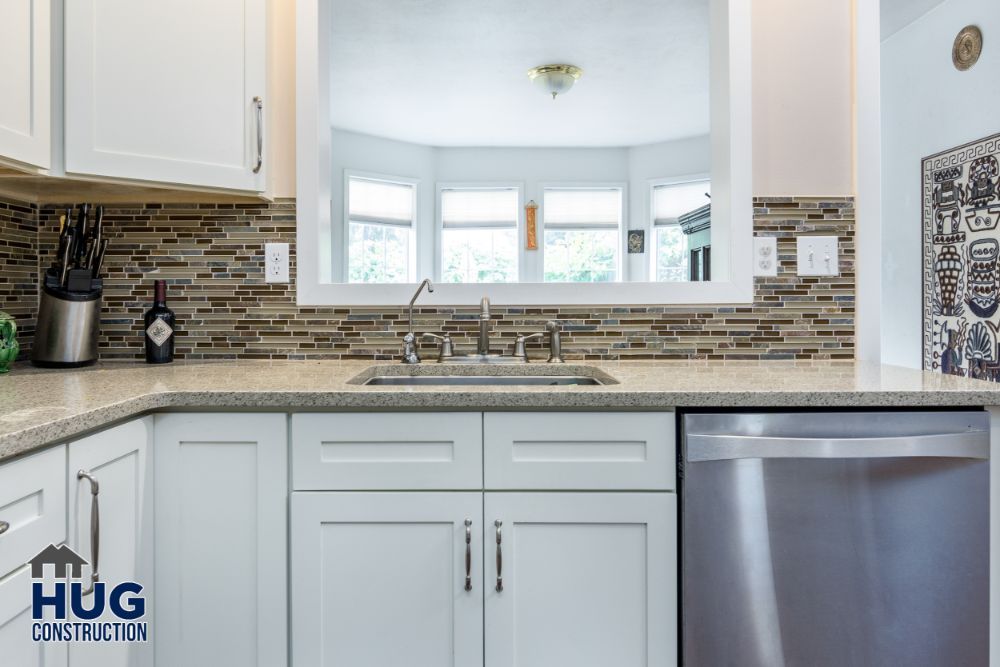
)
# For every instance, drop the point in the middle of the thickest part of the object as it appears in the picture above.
(588, 579)
(117, 461)
(379, 579)
(33, 512)
(221, 539)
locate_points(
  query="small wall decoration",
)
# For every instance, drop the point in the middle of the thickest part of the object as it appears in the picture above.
(636, 241)
(967, 48)
(531, 225)
(961, 260)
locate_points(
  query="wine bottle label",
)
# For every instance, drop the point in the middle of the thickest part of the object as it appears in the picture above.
(159, 332)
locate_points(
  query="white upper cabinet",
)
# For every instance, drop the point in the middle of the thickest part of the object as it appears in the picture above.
(170, 92)
(26, 82)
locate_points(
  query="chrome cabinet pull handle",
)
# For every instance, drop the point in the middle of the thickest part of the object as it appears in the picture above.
(258, 104)
(498, 524)
(3, 527)
(468, 554)
(95, 528)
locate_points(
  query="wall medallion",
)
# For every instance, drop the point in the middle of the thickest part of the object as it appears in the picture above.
(968, 46)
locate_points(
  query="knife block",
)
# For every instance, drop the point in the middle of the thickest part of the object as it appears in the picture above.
(67, 329)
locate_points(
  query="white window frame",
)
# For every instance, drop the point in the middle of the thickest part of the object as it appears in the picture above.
(441, 186)
(414, 183)
(732, 174)
(622, 272)
(651, 245)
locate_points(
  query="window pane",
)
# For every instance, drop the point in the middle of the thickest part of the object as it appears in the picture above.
(671, 255)
(479, 255)
(582, 256)
(479, 208)
(378, 254)
(673, 201)
(380, 201)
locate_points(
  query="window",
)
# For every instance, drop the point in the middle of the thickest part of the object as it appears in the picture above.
(670, 256)
(582, 232)
(381, 232)
(479, 235)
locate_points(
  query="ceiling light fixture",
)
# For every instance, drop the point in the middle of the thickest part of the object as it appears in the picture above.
(555, 79)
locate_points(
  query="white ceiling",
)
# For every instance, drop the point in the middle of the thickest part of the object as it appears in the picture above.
(897, 14)
(454, 72)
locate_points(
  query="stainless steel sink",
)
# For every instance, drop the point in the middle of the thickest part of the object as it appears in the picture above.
(496, 380)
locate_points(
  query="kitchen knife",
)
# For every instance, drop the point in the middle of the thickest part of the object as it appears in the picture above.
(95, 236)
(99, 260)
(66, 256)
(81, 235)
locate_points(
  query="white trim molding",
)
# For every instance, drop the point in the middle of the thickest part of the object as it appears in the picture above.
(732, 200)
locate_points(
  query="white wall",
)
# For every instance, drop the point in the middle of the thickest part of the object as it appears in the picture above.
(927, 106)
(532, 168)
(802, 97)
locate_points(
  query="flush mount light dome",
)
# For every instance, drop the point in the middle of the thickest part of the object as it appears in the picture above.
(555, 79)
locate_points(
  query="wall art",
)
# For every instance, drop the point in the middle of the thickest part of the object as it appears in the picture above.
(961, 260)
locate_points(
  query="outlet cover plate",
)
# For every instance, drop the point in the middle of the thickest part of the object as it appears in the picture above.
(817, 256)
(276, 262)
(765, 256)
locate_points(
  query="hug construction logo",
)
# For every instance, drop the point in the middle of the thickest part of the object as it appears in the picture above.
(62, 610)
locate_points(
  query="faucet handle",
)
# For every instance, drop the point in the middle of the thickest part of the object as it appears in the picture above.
(447, 348)
(519, 349)
(410, 355)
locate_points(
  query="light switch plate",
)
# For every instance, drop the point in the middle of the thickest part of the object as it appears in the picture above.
(765, 256)
(818, 256)
(276, 262)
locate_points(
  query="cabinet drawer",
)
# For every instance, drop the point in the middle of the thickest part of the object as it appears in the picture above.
(33, 503)
(576, 450)
(370, 451)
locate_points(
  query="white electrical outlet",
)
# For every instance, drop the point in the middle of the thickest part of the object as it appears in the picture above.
(817, 256)
(765, 256)
(276, 262)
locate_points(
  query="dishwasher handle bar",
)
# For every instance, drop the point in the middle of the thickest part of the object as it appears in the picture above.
(720, 447)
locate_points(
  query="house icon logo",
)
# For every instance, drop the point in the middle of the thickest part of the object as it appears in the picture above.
(62, 558)
(62, 610)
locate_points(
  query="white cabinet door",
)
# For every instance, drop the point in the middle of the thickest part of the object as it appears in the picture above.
(17, 648)
(589, 580)
(379, 579)
(221, 490)
(26, 81)
(164, 91)
(117, 460)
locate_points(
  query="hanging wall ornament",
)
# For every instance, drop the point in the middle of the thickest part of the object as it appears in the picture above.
(531, 225)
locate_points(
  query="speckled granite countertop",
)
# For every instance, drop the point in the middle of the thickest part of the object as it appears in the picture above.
(41, 407)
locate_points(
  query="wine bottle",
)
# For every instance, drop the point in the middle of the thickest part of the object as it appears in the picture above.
(160, 328)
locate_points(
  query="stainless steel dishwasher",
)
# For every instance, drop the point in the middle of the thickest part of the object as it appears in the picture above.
(835, 539)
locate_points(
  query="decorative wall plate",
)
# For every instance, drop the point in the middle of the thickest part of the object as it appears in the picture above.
(968, 46)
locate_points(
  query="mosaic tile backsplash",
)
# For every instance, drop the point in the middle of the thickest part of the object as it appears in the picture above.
(19, 267)
(211, 255)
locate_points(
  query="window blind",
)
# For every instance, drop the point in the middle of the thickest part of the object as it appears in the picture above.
(483, 208)
(374, 202)
(580, 208)
(672, 201)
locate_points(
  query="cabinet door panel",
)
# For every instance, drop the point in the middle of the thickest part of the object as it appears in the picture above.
(25, 79)
(16, 646)
(387, 451)
(33, 503)
(378, 579)
(579, 450)
(221, 535)
(588, 580)
(117, 458)
(163, 91)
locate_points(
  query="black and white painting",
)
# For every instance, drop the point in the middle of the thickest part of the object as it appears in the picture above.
(961, 245)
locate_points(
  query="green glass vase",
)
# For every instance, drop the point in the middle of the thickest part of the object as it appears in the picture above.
(8, 342)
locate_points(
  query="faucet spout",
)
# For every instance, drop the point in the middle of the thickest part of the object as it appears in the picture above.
(410, 354)
(483, 346)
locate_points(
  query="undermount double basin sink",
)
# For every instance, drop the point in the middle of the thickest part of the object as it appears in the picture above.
(482, 375)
